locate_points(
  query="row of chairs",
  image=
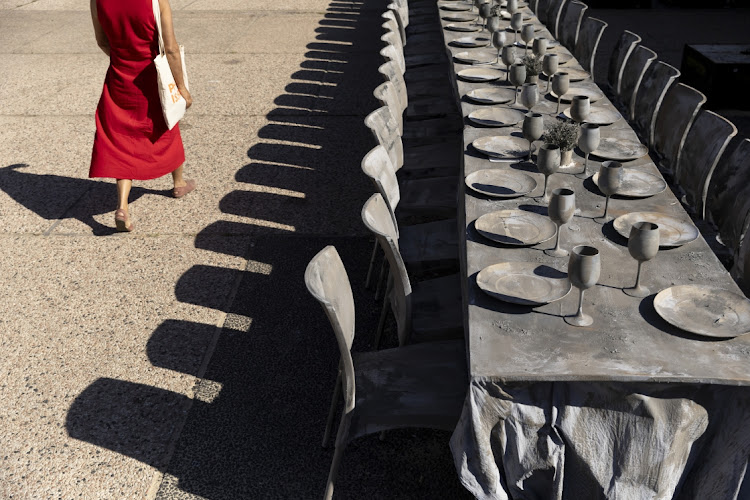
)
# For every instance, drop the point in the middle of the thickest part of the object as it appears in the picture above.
(414, 168)
(693, 145)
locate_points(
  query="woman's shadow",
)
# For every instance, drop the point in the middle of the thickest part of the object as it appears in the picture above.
(55, 197)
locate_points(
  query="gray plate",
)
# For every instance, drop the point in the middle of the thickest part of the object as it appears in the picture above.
(506, 15)
(576, 75)
(525, 283)
(475, 57)
(502, 146)
(500, 183)
(491, 95)
(590, 90)
(460, 18)
(480, 74)
(612, 148)
(462, 27)
(515, 227)
(637, 183)
(673, 232)
(599, 116)
(704, 310)
(456, 7)
(496, 117)
(471, 41)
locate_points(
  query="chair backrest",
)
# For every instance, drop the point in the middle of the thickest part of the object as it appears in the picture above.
(383, 126)
(632, 74)
(588, 41)
(532, 5)
(391, 36)
(386, 94)
(570, 23)
(391, 73)
(378, 167)
(657, 80)
(741, 266)
(624, 47)
(327, 281)
(728, 198)
(704, 144)
(541, 9)
(391, 53)
(677, 112)
(398, 25)
(554, 13)
(376, 216)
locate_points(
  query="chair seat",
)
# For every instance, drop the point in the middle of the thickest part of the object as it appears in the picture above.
(437, 196)
(437, 310)
(430, 160)
(413, 386)
(430, 247)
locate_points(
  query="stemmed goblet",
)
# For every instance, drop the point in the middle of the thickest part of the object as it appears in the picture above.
(509, 59)
(527, 35)
(560, 209)
(540, 46)
(548, 162)
(499, 38)
(549, 67)
(516, 22)
(580, 107)
(493, 26)
(643, 245)
(588, 141)
(610, 180)
(533, 128)
(517, 77)
(529, 95)
(560, 86)
(512, 6)
(484, 12)
(584, 268)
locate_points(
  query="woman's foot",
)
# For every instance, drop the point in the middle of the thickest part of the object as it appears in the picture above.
(122, 221)
(180, 191)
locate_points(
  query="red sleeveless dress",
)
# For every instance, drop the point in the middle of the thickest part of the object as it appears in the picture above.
(132, 140)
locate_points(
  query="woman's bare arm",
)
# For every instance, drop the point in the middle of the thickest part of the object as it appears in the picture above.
(172, 48)
(101, 38)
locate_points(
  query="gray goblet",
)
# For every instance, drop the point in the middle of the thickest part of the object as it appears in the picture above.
(527, 35)
(561, 207)
(533, 128)
(517, 77)
(643, 245)
(529, 95)
(588, 141)
(580, 107)
(516, 22)
(584, 268)
(610, 180)
(484, 12)
(540, 46)
(509, 58)
(550, 64)
(548, 162)
(512, 6)
(560, 86)
(493, 26)
(499, 39)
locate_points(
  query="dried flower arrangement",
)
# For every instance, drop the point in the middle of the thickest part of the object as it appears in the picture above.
(563, 134)
(533, 65)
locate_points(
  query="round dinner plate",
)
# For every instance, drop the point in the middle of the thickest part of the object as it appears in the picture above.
(576, 75)
(500, 183)
(599, 116)
(506, 15)
(502, 146)
(489, 95)
(471, 41)
(563, 58)
(592, 91)
(496, 117)
(480, 74)
(704, 310)
(461, 27)
(612, 148)
(673, 232)
(637, 183)
(515, 227)
(459, 7)
(475, 57)
(525, 283)
(459, 18)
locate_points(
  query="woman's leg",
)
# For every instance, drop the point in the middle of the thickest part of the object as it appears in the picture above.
(179, 181)
(181, 186)
(123, 193)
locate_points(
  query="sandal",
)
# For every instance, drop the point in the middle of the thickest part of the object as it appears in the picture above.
(179, 192)
(122, 222)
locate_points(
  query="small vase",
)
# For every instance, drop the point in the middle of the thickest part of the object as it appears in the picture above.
(566, 158)
(532, 78)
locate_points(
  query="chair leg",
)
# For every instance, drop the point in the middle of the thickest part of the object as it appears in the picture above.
(381, 278)
(332, 411)
(368, 280)
(383, 315)
(340, 445)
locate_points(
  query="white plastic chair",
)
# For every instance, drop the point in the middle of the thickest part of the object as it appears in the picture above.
(625, 46)
(570, 23)
(632, 75)
(589, 35)
(675, 116)
(657, 80)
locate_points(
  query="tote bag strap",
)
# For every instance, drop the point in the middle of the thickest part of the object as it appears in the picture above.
(157, 18)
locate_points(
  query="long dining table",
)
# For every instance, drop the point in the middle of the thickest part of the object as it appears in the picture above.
(630, 407)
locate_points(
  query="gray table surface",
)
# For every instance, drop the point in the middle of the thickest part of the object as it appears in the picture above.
(628, 341)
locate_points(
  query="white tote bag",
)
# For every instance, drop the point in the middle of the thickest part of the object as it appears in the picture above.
(172, 103)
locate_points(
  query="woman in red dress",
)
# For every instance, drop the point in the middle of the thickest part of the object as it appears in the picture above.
(132, 139)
